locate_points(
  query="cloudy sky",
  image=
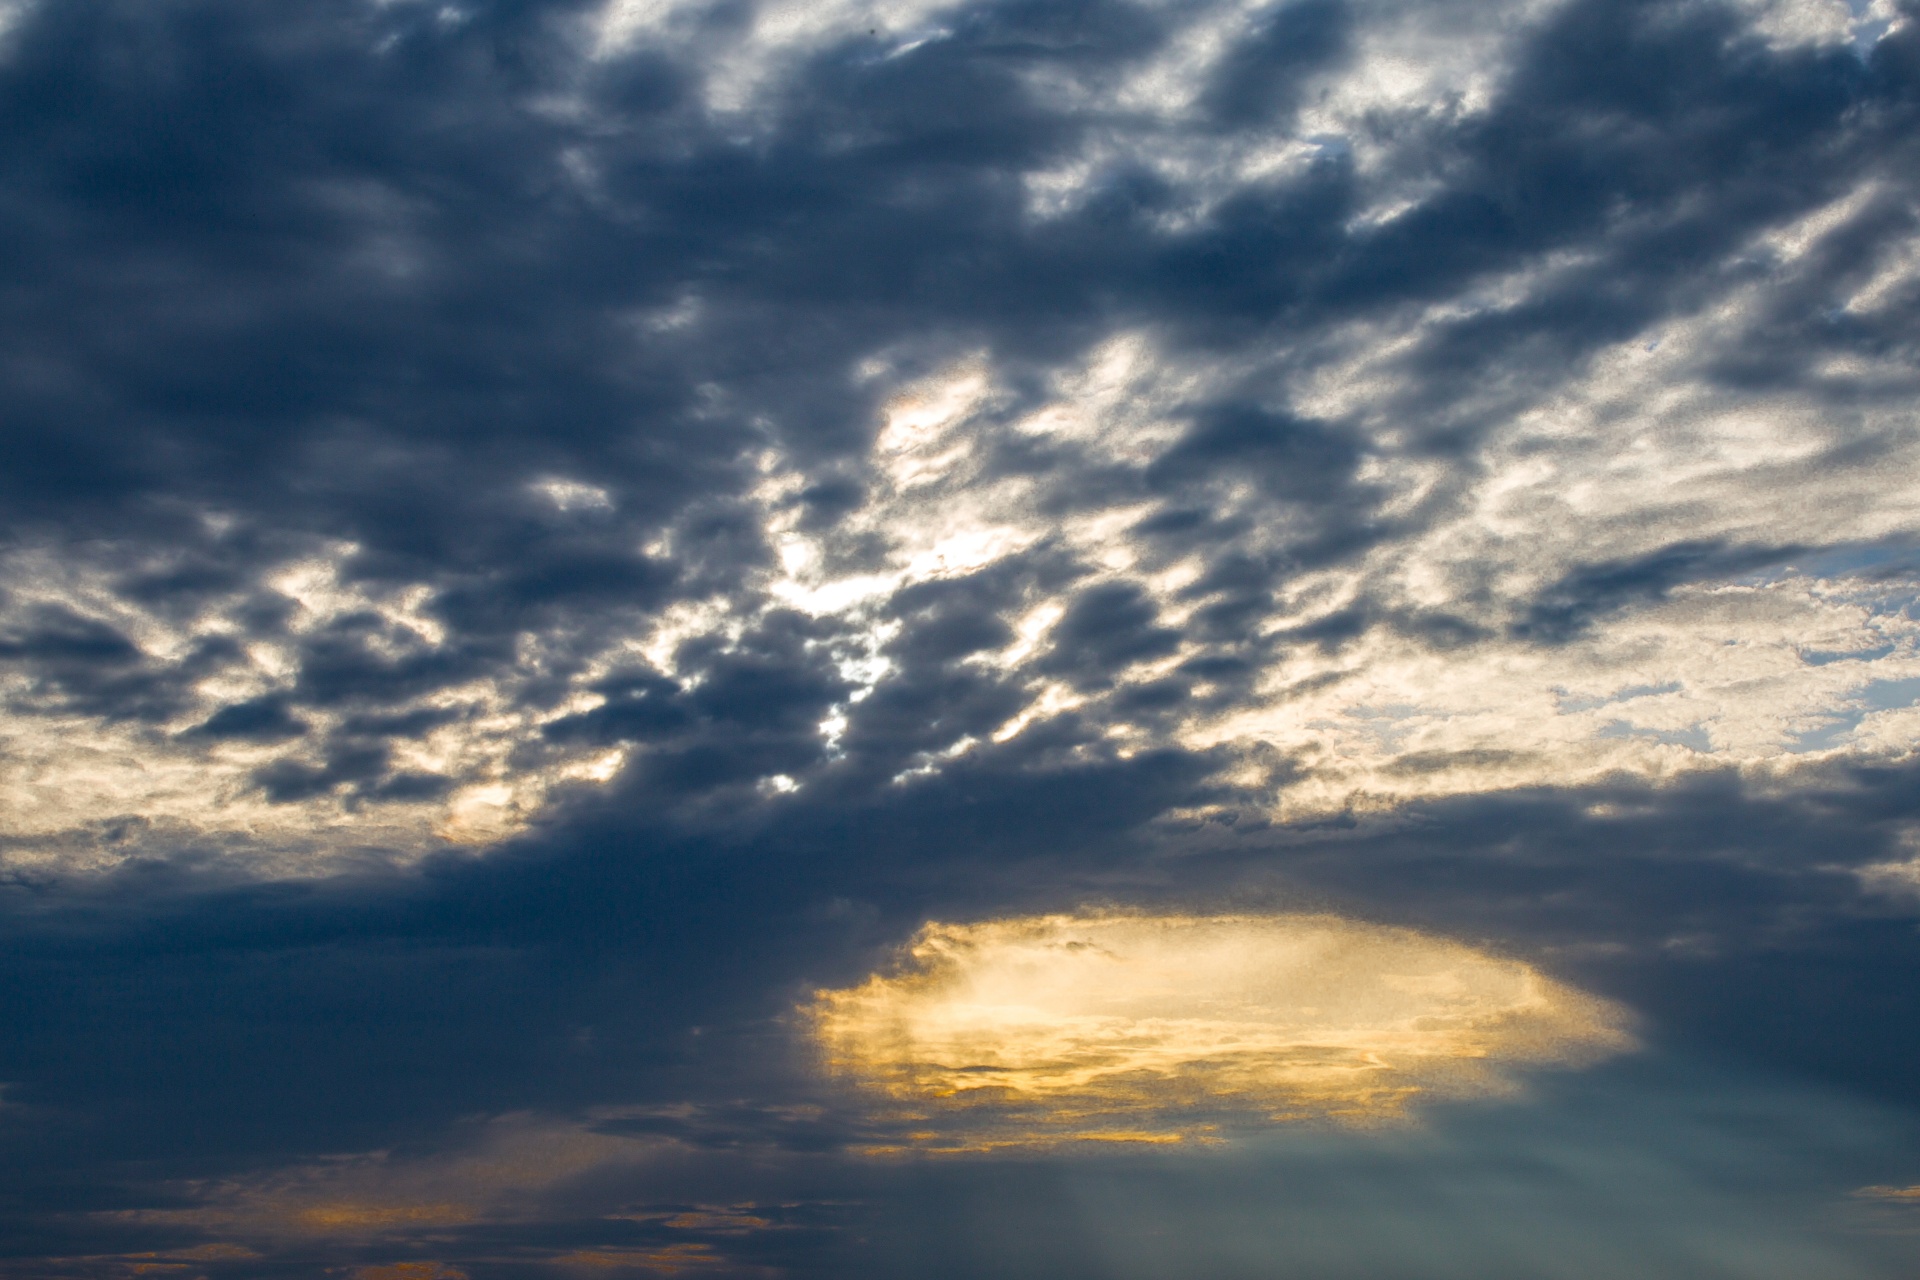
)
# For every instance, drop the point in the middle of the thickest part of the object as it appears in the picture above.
(1075, 639)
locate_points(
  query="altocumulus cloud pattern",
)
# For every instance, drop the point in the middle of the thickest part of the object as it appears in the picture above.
(1070, 638)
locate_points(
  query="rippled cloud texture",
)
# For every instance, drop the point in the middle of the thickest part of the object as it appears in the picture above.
(537, 538)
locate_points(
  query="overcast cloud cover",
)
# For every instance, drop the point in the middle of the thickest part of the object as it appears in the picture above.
(535, 536)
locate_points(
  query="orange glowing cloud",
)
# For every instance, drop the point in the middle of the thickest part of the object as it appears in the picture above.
(672, 1259)
(1129, 1027)
(1897, 1195)
(409, 1271)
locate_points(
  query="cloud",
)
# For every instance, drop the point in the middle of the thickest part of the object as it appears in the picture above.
(388, 514)
(1151, 1028)
(639, 989)
(1889, 1193)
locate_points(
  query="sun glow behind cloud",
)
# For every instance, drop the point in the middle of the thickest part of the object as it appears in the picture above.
(1120, 1027)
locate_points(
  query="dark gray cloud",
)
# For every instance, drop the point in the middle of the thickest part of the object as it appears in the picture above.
(166, 1030)
(368, 276)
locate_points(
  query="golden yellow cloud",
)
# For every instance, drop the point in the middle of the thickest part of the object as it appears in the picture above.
(1910, 1195)
(1119, 1026)
(410, 1271)
(671, 1260)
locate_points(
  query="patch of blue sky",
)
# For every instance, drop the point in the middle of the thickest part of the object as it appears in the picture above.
(1693, 736)
(1568, 703)
(1331, 146)
(1870, 22)
(1881, 560)
(1876, 695)
(1826, 657)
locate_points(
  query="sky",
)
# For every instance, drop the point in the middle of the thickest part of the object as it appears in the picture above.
(1076, 639)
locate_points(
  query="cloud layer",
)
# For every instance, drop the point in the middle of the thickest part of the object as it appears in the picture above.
(422, 415)
(537, 534)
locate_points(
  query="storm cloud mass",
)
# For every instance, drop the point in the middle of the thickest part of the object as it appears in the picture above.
(540, 540)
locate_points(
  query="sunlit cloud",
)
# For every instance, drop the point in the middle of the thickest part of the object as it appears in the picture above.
(743, 61)
(1128, 1027)
(667, 1260)
(500, 1174)
(1900, 878)
(573, 495)
(1756, 669)
(408, 1271)
(187, 1263)
(219, 750)
(1895, 1194)
(421, 1208)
